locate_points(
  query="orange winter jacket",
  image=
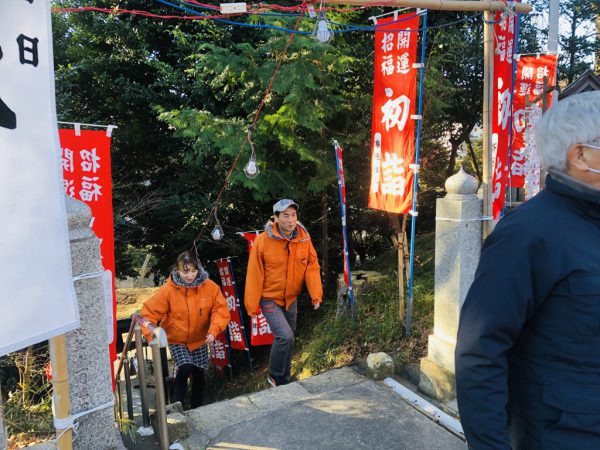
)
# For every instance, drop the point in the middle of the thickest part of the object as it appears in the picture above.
(278, 267)
(188, 314)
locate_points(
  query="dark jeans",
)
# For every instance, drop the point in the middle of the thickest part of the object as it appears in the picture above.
(283, 326)
(183, 373)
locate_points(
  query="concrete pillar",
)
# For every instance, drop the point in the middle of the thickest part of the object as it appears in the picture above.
(457, 248)
(90, 381)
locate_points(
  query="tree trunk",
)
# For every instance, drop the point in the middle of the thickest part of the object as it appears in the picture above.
(452, 161)
(399, 240)
(325, 242)
(474, 163)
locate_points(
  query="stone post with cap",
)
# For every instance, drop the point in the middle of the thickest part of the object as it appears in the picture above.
(90, 386)
(457, 248)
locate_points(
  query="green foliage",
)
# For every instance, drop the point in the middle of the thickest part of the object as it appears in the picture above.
(28, 393)
(324, 342)
(580, 41)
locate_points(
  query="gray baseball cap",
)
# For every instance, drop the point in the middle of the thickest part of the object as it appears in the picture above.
(284, 204)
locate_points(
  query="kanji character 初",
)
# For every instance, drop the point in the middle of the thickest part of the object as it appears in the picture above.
(527, 73)
(69, 187)
(504, 101)
(67, 160)
(89, 160)
(403, 63)
(90, 190)
(395, 111)
(22, 40)
(231, 303)
(387, 65)
(403, 39)
(387, 42)
(393, 175)
(234, 332)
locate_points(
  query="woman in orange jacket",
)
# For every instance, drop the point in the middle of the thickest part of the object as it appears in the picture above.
(192, 311)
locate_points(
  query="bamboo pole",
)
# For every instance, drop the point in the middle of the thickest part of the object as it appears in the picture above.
(60, 382)
(402, 269)
(445, 5)
(488, 93)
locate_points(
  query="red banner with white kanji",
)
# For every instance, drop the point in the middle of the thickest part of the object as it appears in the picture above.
(237, 335)
(261, 331)
(531, 71)
(393, 126)
(505, 29)
(87, 177)
(219, 354)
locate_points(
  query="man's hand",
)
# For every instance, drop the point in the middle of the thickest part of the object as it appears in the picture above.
(316, 305)
(210, 338)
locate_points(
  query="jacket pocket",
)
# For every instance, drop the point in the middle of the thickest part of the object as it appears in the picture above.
(585, 293)
(579, 424)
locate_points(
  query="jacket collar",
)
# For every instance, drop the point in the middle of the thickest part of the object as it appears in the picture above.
(563, 184)
(298, 235)
(177, 281)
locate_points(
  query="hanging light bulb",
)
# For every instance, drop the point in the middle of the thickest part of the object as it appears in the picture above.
(217, 233)
(251, 169)
(322, 32)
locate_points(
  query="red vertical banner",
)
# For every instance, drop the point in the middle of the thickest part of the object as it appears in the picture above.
(250, 236)
(504, 48)
(260, 333)
(219, 356)
(393, 126)
(237, 337)
(342, 188)
(87, 177)
(531, 71)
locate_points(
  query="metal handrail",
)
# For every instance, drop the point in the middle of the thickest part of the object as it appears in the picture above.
(159, 341)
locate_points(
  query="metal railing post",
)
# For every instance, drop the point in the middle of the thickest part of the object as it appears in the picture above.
(139, 354)
(161, 410)
(128, 391)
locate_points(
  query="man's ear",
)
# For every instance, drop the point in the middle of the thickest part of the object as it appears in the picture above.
(576, 158)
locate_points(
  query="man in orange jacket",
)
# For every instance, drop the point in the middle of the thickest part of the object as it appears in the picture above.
(281, 261)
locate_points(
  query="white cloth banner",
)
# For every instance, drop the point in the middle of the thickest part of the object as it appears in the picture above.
(37, 297)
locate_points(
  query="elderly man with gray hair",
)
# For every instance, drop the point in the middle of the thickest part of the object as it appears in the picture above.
(528, 348)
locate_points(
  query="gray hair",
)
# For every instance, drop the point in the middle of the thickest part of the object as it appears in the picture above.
(574, 120)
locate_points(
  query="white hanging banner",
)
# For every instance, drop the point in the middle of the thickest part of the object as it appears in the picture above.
(37, 297)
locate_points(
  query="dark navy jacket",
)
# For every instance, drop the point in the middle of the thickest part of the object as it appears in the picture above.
(528, 349)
